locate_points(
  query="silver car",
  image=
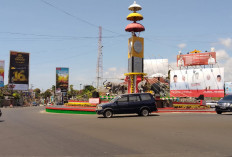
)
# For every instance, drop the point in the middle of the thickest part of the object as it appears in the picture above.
(211, 103)
(224, 105)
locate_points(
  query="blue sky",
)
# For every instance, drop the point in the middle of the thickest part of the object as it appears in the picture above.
(65, 34)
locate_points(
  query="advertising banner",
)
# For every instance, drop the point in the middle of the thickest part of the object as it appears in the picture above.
(156, 67)
(19, 70)
(194, 82)
(206, 58)
(62, 79)
(2, 63)
(228, 88)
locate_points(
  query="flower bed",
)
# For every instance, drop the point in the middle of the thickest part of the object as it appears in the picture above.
(73, 103)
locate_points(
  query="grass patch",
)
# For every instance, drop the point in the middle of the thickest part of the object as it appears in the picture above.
(70, 111)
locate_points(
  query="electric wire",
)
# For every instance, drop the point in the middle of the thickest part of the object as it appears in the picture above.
(57, 36)
(77, 18)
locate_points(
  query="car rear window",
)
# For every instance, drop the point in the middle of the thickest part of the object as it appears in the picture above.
(145, 97)
(134, 98)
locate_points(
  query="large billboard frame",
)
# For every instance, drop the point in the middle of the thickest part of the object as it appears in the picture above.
(206, 58)
(19, 70)
(60, 89)
(228, 88)
(194, 82)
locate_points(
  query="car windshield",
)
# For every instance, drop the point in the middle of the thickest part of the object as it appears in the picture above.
(115, 99)
(228, 97)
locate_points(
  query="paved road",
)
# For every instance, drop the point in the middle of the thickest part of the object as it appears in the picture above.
(32, 132)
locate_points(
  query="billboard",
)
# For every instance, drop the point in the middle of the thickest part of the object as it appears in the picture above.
(156, 67)
(62, 79)
(206, 58)
(194, 82)
(2, 63)
(228, 88)
(19, 70)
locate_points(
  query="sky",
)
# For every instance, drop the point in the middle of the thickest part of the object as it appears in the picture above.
(64, 33)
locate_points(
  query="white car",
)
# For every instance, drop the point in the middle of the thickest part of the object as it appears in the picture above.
(211, 103)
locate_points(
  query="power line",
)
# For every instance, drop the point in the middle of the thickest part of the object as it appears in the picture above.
(58, 36)
(75, 17)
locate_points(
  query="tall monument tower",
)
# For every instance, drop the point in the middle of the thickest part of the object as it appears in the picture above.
(135, 49)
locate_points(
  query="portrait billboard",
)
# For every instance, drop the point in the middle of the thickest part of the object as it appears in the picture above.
(194, 82)
(2, 64)
(206, 58)
(62, 79)
(228, 88)
(19, 70)
(156, 67)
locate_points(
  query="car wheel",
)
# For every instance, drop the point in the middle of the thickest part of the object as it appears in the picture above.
(144, 112)
(108, 114)
(219, 112)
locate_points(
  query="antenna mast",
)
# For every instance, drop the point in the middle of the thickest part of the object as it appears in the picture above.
(99, 59)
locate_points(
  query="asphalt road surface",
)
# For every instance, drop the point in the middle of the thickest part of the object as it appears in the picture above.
(32, 132)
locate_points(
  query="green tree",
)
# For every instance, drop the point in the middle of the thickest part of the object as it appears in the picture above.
(47, 93)
(16, 96)
(87, 92)
(72, 92)
(37, 92)
(88, 88)
(53, 89)
(1, 94)
(1, 98)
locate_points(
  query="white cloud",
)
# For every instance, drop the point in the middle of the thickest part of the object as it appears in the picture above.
(222, 55)
(156, 66)
(114, 74)
(227, 42)
(224, 60)
(112, 69)
(227, 69)
(182, 45)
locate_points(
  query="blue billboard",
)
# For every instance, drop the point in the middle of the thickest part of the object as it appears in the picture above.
(228, 88)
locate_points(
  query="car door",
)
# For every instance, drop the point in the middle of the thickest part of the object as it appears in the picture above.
(148, 100)
(134, 103)
(122, 103)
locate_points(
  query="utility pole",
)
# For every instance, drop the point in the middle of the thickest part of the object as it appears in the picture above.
(99, 59)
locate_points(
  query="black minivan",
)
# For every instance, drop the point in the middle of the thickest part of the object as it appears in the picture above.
(141, 103)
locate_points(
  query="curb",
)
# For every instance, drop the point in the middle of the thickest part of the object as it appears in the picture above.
(89, 110)
(69, 111)
(182, 111)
